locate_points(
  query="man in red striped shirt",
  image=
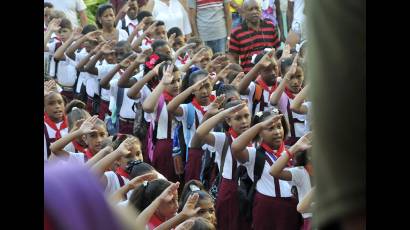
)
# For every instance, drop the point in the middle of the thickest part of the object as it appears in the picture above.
(252, 36)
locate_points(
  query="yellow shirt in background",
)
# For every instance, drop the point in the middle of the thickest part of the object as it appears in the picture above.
(239, 2)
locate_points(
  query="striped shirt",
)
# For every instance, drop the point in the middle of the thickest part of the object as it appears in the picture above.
(245, 42)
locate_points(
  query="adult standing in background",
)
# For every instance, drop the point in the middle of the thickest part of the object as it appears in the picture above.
(70, 9)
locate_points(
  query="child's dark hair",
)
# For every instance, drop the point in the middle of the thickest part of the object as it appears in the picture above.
(226, 89)
(203, 195)
(88, 28)
(302, 158)
(48, 5)
(285, 64)
(141, 15)
(75, 111)
(157, 44)
(190, 79)
(160, 23)
(137, 168)
(119, 138)
(65, 24)
(100, 11)
(201, 223)
(175, 30)
(147, 192)
(267, 114)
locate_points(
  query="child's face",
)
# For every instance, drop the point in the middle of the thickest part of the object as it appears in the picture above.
(164, 50)
(89, 45)
(169, 209)
(295, 83)
(205, 60)
(202, 95)
(133, 9)
(160, 33)
(111, 58)
(135, 154)
(47, 12)
(274, 134)
(269, 74)
(175, 85)
(64, 33)
(107, 18)
(179, 42)
(207, 210)
(240, 121)
(121, 53)
(95, 140)
(54, 107)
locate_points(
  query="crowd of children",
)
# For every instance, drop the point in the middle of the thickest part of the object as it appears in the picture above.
(173, 133)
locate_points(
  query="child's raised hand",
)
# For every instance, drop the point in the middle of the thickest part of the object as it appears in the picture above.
(126, 146)
(76, 34)
(169, 193)
(93, 36)
(304, 143)
(198, 56)
(186, 225)
(214, 107)
(88, 125)
(167, 76)
(223, 73)
(271, 121)
(238, 79)
(107, 47)
(267, 59)
(189, 209)
(286, 52)
(54, 25)
(127, 61)
(183, 49)
(235, 108)
(198, 85)
(292, 69)
(151, 28)
(125, 8)
(171, 40)
(134, 183)
(156, 68)
(49, 86)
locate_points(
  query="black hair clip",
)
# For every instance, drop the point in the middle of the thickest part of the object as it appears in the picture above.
(131, 164)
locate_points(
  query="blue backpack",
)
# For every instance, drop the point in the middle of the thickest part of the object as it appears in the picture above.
(177, 146)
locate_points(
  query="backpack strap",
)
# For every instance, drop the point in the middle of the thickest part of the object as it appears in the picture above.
(190, 121)
(124, 26)
(161, 104)
(118, 102)
(291, 120)
(122, 183)
(276, 181)
(58, 44)
(257, 98)
(223, 156)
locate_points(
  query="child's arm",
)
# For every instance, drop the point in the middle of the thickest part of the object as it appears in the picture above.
(274, 98)
(195, 59)
(265, 61)
(53, 27)
(125, 80)
(297, 103)
(121, 13)
(139, 40)
(132, 184)
(98, 156)
(91, 36)
(151, 102)
(166, 196)
(134, 91)
(276, 170)
(105, 81)
(306, 203)
(173, 105)
(228, 18)
(192, 19)
(57, 147)
(59, 54)
(187, 212)
(90, 66)
(239, 145)
(136, 30)
(202, 133)
(85, 60)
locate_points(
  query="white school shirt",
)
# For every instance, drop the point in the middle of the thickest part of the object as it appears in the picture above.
(122, 35)
(266, 184)
(127, 103)
(219, 143)
(184, 119)
(66, 73)
(145, 92)
(173, 15)
(51, 50)
(282, 106)
(83, 75)
(268, 105)
(128, 23)
(113, 184)
(298, 15)
(301, 179)
(52, 134)
(308, 105)
(70, 9)
(92, 84)
(102, 72)
(73, 157)
(163, 122)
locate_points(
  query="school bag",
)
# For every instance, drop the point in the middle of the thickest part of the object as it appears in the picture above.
(152, 132)
(112, 122)
(140, 127)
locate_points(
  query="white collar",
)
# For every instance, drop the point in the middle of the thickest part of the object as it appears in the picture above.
(128, 21)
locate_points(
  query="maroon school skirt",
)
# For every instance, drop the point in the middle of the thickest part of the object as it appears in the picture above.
(162, 159)
(104, 109)
(193, 166)
(144, 144)
(126, 126)
(307, 224)
(89, 105)
(277, 213)
(227, 207)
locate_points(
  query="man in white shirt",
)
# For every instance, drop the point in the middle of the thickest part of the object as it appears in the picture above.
(71, 8)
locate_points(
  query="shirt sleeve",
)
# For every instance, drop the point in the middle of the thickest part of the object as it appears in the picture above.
(250, 164)
(184, 113)
(80, 5)
(297, 175)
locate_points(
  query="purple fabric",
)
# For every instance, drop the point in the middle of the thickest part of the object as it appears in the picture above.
(74, 199)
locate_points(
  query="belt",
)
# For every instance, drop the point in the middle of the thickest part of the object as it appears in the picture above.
(127, 120)
(67, 88)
